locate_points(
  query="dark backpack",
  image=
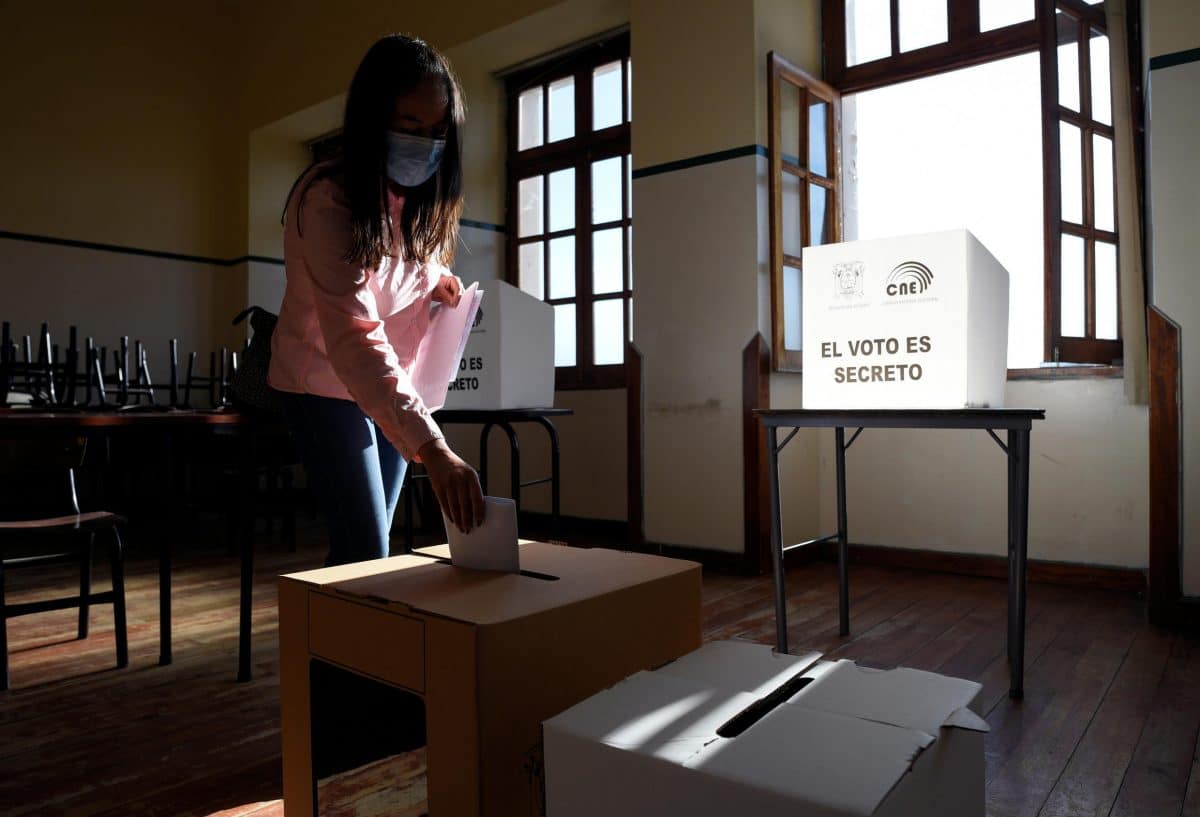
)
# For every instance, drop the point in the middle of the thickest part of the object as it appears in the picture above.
(248, 388)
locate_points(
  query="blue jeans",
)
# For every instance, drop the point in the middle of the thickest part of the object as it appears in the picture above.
(354, 471)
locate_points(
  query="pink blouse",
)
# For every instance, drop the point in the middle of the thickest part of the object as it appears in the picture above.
(349, 332)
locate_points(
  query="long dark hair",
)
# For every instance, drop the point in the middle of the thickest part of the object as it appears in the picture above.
(428, 228)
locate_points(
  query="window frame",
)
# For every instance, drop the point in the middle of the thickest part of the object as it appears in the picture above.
(780, 70)
(579, 151)
(967, 46)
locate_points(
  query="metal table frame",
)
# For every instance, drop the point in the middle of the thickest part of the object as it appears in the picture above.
(1017, 422)
(504, 419)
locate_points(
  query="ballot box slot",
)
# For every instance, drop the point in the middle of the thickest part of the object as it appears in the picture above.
(758, 710)
(532, 574)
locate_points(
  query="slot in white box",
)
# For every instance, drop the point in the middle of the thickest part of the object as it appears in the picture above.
(912, 322)
(509, 359)
(853, 742)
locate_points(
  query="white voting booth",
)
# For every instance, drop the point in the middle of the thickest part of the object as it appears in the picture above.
(735, 728)
(509, 358)
(912, 322)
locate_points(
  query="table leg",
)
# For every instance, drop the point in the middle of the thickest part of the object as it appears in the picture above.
(554, 474)
(406, 488)
(1012, 550)
(514, 448)
(781, 637)
(1018, 447)
(247, 476)
(164, 555)
(483, 456)
(842, 535)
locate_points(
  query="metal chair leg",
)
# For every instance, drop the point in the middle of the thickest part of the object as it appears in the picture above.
(117, 560)
(85, 585)
(3, 634)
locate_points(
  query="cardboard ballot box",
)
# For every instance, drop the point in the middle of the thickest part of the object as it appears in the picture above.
(509, 359)
(914, 322)
(734, 728)
(481, 658)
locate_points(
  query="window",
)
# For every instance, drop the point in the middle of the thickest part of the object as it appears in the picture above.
(570, 205)
(805, 193)
(1010, 97)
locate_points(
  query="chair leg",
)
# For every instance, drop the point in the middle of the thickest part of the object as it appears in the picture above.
(117, 558)
(289, 509)
(3, 634)
(85, 584)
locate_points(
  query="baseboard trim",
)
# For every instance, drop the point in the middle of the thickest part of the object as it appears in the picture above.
(976, 564)
(615, 533)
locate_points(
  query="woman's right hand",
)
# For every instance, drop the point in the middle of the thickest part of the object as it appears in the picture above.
(455, 484)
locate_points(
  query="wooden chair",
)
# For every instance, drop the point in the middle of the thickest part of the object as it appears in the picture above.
(46, 526)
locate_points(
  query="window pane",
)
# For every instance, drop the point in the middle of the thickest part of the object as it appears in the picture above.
(529, 131)
(606, 96)
(1068, 61)
(607, 253)
(630, 304)
(792, 328)
(606, 190)
(608, 331)
(562, 109)
(791, 215)
(789, 121)
(628, 185)
(1071, 163)
(1073, 297)
(529, 203)
(1102, 164)
(629, 90)
(564, 335)
(868, 30)
(1106, 291)
(529, 269)
(922, 23)
(562, 199)
(820, 218)
(629, 252)
(562, 267)
(1000, 13)
(1101, 80)
(958, 125)
(818, 147)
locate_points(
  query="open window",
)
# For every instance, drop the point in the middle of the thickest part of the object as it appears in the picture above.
(995, 115)
(805, 209)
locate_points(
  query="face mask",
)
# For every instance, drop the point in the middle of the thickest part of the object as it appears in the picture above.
(412, 160)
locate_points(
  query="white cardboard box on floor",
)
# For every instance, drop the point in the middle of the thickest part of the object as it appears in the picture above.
(509, 359)
(851, 742)
(913, 322)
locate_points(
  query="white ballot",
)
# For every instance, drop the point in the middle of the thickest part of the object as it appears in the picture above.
(492, 545)
(437, 359)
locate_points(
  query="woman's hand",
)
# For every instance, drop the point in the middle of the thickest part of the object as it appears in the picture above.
(455, 484)
(448, 290)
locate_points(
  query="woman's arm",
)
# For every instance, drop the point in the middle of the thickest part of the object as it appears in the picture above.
(364, 360)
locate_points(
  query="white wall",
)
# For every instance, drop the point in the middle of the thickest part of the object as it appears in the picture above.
(1173, 156)
(946, 490)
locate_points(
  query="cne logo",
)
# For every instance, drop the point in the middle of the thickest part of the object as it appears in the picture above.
(478, 317)
(909, 278)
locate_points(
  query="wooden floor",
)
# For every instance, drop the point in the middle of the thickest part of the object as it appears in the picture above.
(1108, 725)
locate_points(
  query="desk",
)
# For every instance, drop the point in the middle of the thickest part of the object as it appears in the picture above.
(1017, 422)
(504, 419)
(167, 425)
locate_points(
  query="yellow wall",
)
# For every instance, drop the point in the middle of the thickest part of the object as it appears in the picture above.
(123, 125)
(1170, 26)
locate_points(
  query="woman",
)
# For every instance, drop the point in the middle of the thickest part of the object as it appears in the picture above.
(367, 237)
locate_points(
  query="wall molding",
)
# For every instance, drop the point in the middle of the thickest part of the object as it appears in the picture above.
(139, 251)
(1177, 58)
(696, 161)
